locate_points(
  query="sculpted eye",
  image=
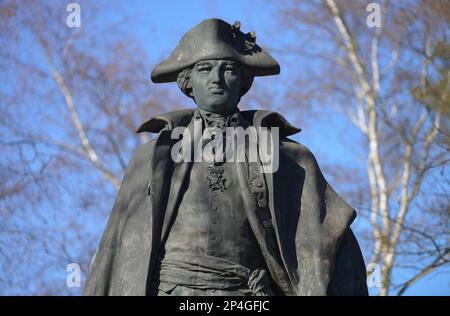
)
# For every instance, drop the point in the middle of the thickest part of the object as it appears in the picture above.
(203, 68)
(230, 69)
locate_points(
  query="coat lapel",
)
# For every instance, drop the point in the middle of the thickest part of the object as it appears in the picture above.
(175, 183)
(161, 172)
(180, 172)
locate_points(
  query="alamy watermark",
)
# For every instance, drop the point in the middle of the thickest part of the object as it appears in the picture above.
(374, 18)
(373, 275)
(74, 277)
(235, 145)
(74, 17)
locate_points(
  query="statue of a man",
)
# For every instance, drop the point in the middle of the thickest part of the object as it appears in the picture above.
(224, 227)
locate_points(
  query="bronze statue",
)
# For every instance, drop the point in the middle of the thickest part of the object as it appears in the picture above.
(217, 226)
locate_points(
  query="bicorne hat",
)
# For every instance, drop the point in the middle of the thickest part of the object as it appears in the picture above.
(216, 39)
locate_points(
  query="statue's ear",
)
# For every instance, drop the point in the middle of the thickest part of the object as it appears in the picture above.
(190, 90)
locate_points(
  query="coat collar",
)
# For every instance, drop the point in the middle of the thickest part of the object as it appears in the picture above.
(258, 118)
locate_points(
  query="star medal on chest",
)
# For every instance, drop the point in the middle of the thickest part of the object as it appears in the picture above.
(216, 179)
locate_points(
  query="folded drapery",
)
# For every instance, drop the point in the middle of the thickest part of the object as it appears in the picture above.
(207, 272)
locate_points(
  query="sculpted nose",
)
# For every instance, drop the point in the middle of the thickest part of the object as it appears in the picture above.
(216, 76)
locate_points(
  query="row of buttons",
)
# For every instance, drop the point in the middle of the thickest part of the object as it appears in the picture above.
(214, 219)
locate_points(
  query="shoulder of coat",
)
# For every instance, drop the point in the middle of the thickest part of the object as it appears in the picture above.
(168, 120)
(143, 152)
(257, 118)
(296, 151)
(270, 119)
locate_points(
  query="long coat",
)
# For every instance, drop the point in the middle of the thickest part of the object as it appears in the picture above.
(312, 251)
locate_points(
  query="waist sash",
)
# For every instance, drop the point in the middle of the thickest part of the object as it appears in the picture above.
(207, 272)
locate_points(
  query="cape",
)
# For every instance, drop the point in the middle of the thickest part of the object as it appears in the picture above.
(314, 251)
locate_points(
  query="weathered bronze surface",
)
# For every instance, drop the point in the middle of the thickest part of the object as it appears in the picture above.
(223, 227)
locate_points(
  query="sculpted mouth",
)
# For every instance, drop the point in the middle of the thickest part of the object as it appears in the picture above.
(216, 90)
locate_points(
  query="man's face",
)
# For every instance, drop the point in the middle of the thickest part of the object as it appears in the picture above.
(216, 85)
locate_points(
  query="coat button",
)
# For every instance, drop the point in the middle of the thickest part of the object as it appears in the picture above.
(262, 203)
(267, 224)
(258, 182)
